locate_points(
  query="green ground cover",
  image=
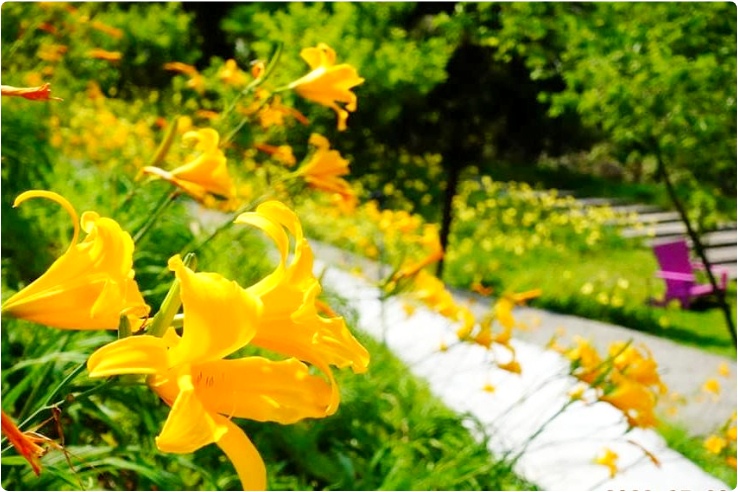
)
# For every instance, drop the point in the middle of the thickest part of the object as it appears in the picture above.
(680, 440)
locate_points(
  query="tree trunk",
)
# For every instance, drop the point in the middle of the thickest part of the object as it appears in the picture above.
(452, 184)
(662, 171)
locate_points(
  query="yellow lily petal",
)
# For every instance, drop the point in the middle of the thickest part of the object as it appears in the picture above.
(327, 83)
(40, 93)
(325, 167)
(189, 426)
(273, 230)
(133, 355)
(290, 324)
(220, 316)
(23, 442)
(260, 389)
(90, 285)
(244, 456)
(205, 175)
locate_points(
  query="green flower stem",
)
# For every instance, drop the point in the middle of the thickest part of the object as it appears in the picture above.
(543, 426)
(65, 382)
(253, 85)
(166, 144)
(257, 81)
(168, 310)
(225, 225)
(245, 120)
(158, 158)
(160, 208)
(46, 372)
(59, 388)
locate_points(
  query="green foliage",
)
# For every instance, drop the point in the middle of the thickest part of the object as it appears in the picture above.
(681, 441)
(146, 36)
(389, 433)
(652, 76)
(401, 64)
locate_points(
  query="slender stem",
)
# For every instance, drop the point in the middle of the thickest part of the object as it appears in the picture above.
(65, 382)
(126, 199)
(245, 120)
(225, 225)
(538, 432)
(255, 83)
(47, 370)
(60, 387)
(95, 389)
(163, 204)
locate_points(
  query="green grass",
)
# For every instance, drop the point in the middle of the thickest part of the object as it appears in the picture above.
(390, 433)
(693, 449)
(562, 279)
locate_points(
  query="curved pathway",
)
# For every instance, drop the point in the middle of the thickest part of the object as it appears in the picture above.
(560, 457)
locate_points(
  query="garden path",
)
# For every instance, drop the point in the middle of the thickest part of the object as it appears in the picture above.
(560, 457)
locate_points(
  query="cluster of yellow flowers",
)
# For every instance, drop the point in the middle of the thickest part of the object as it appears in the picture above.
(627, 378)
(525, 220)
(723, 443)
(196, 360)
(607, 291)
(405, 241)
(98, 134)
(91, 286)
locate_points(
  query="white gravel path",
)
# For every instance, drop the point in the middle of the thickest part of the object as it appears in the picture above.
(561, 456)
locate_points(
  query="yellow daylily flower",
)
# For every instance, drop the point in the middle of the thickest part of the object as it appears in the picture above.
(324, 169)
(205, 177)
(101, 54)
(586, 359)
(109, 30)
(290, 324)
(715, 444)
(431, 291)
(635, 400)
(26, 443)
(282, 153)
(711, 386)
(409, 268)
(270, 110)
(91, 285)
(512, 366)
(205, 390)
(196, 81)
(231, 74)
(631, 363)
(503, 313)
(327, 83)
(608, 458)
(40, 93)
(52, 52)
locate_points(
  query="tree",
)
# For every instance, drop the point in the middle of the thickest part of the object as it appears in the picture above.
(658, 78)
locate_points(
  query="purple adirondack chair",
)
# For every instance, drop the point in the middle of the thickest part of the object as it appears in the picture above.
(679, 273)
